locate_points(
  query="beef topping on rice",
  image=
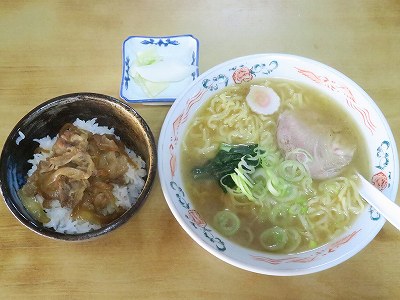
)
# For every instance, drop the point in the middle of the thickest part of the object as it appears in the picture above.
(80, 173)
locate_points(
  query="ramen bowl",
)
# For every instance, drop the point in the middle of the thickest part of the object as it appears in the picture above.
(382, 154)
(46, 120)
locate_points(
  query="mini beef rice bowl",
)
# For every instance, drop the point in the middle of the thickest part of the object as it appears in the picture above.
(82, 179)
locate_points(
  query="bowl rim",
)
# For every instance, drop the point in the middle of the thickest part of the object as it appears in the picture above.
(227, 258)
(151, 169)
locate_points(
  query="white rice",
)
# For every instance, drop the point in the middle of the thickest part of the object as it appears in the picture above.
(126, 196)
(93, 127)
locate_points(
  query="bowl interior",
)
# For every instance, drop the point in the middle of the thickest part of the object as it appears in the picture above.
(47, 119)
(382, 153)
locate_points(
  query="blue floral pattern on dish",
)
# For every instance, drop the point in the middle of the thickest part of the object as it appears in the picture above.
(382, 161)
(214, 83)
(257, 68)
(195, 219)
(161, 42)
(383, 155)
(126, 77)
(239, 74)
(184, 47)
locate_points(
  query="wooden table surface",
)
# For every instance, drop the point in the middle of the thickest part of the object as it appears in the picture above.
(49, 48)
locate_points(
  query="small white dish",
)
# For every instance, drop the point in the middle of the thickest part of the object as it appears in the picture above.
(182, 47)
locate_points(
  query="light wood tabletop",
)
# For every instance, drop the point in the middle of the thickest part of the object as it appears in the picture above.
(50, 48)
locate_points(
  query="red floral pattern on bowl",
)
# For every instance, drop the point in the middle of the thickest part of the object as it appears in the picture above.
(242, 74)
(380, 181)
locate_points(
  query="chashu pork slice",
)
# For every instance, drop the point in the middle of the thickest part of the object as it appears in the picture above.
(330, 145)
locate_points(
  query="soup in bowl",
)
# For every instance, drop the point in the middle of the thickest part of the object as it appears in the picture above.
(262, 162)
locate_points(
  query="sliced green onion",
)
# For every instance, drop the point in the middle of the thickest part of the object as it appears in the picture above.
(294, 240)
(281, 216)
(290, 193)
(243, 185)
(292, 170)
(226, 222)
(274, 239)
(246, 235)
(313, 244)
(272, 189)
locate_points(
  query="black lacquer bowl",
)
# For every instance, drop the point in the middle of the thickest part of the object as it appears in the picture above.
(47, 119)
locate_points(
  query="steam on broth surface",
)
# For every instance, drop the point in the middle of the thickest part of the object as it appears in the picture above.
(256, 192)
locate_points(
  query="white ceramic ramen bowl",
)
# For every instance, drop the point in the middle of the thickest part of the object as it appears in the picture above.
(382, 153)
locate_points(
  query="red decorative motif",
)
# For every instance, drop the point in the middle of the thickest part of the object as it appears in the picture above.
(172, 161)
(343, 241)
(341, 88)
(307, 259)
(242, 74)
(175, 128)
(195, 217)
(380, 181)
(295, 259)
